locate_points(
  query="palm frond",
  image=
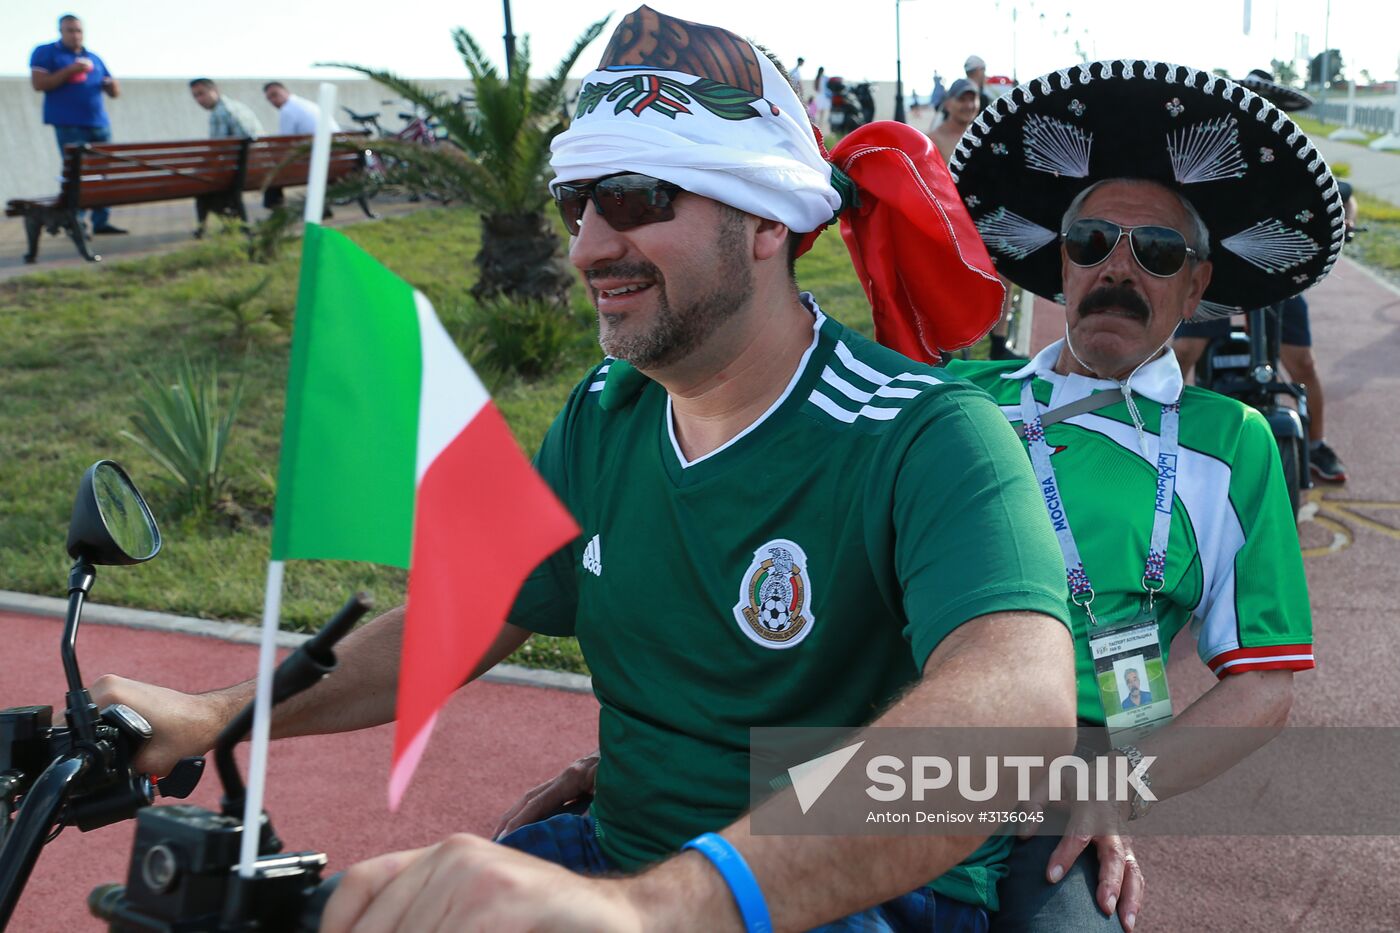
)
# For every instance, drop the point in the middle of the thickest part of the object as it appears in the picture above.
(406, 88)
(549, 95)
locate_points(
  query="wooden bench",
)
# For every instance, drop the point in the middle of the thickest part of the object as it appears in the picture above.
(215, 172)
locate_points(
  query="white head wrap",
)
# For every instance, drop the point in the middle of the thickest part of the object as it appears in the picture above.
(753, 152)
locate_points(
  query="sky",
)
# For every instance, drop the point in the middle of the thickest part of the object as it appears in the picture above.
(266, 38)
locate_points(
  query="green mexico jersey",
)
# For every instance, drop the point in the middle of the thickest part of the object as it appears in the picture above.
(799, 575)
(1234, 570)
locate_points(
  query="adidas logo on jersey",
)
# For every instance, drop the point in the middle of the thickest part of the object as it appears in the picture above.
(593, 557)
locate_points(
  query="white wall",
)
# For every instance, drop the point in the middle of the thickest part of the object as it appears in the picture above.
(161, 108)
(156, 109)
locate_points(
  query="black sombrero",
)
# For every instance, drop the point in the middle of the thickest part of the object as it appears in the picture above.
(1281, 96)
(1265, 193)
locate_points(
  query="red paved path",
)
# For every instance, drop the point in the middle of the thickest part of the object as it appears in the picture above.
(324, 792)
(495, 741)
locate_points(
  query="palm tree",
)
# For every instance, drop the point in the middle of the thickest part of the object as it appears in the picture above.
(498, 165)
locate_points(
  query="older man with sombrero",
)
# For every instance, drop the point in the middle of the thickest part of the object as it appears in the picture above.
(1139, 194)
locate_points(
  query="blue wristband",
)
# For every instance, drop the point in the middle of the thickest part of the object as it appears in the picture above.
(753, 910)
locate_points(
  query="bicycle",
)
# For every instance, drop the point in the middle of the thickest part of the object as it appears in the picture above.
(418, 129)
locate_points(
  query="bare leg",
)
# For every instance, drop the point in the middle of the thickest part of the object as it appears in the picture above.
(1302, 367)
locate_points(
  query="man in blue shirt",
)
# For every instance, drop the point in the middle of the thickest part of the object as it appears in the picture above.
(73, 81)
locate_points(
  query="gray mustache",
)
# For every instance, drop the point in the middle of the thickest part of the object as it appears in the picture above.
(1120, 297)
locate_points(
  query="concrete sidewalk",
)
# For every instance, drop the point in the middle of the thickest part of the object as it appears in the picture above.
(1376, 173)
(152, 229)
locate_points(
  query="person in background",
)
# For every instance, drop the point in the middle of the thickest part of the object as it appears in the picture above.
(796, 75)
(73, 80)
(976, 70)
(961, 105)
(823, 95)
(296, 116)
(1295, 352)
(935, 98)
(959, 109)
(228, 119)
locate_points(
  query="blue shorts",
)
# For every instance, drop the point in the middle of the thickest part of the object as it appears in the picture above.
(1031, 904)
(1296, 332)
(568, 840)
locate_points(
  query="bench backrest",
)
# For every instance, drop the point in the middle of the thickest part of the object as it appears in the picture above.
(105, 174)
(286, 160)
(133, 173)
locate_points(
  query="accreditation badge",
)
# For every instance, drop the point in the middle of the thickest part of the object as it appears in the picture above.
(1132, 678)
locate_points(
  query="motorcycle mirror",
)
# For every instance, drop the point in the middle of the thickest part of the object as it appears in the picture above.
(111, 523)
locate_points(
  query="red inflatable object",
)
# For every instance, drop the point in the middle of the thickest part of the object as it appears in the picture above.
(930, 281)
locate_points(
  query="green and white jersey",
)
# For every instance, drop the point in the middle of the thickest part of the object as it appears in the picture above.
(799, 575)
(1234, 569)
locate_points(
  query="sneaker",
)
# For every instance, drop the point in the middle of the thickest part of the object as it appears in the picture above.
(1326, 465)
(106, 229)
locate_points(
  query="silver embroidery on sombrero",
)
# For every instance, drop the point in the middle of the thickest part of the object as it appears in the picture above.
(1013, 235)
(1271, 246)
(1210, 310)
(1056, 148)
(1208, 151)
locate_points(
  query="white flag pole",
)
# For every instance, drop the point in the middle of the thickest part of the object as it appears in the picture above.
(272, 599)
(320, 156)
(262, 721)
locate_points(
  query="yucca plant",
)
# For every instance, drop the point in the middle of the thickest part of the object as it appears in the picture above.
(498, 163)
(181, 424)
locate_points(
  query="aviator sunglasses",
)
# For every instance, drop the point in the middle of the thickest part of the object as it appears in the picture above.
(1161, 251)
(627, 200)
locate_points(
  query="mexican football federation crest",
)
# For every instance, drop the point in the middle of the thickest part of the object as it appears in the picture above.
(775, 597)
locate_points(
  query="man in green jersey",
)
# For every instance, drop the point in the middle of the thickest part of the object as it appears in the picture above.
(1139, 194)
(784, 524)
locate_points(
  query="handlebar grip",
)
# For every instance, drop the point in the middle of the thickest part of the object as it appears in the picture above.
(182, 779)
(104, 900)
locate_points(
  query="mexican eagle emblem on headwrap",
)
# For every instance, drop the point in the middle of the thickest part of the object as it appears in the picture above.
(728, 78)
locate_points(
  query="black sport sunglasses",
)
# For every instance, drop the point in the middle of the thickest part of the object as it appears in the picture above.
(625, 200)
(1161, 251)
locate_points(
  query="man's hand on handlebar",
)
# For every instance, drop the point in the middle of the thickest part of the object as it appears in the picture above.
(543, 801)
(182, 724)
(466, 882)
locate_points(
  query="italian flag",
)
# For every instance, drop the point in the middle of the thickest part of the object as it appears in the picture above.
(392, 452)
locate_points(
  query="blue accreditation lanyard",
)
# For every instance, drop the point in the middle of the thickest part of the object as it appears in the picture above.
(1081, 588)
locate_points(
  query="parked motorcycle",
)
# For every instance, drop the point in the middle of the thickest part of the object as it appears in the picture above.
(851, 105)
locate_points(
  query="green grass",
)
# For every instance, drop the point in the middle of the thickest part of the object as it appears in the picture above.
(74, 343)
(1379, 246)
(1317, 129)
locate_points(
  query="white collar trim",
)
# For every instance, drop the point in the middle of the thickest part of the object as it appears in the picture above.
(1160, 380)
